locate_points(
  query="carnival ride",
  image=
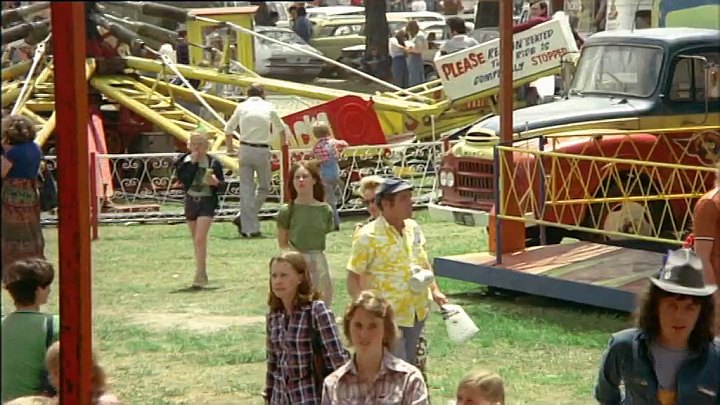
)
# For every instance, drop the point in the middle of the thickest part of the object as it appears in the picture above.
(142, 84)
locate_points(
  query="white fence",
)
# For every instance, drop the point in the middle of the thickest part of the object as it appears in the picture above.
(143, 187)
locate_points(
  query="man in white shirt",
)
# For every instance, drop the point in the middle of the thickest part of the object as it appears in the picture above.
(255, 119)
(458, 37)
(418, 6)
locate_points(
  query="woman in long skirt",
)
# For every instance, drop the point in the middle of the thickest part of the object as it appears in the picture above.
(21, 232)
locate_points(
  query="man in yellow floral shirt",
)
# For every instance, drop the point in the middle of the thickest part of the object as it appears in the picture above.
(383, 255)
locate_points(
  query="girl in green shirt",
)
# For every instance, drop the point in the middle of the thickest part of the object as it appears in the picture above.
(304, 222)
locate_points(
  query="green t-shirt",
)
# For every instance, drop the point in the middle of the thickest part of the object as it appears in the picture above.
(306, 225)
(200, 186)
(24, 335)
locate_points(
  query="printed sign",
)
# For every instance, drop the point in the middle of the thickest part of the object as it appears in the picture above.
(536, 50)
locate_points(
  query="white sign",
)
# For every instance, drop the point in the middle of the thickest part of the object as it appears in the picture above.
(536, 50)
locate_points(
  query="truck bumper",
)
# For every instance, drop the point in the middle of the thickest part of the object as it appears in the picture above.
(463, 216)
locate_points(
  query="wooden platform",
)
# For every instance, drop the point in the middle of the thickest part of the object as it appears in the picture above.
(582, 272)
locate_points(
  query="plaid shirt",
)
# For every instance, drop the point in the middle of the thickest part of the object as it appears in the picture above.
(397, 382)
(326, 149)
(289, 353)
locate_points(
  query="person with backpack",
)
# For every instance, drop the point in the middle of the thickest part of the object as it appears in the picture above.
(201, 174)
(22, 235)
(304, 223)
(27, 333)
(303, 342)
(373, 375)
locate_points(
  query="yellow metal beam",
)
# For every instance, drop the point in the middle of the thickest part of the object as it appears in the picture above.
(42, 136)
(111, 87)
(183, 93)
(382, 101)
(15, 70)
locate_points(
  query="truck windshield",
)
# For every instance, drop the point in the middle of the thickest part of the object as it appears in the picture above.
(618, 69)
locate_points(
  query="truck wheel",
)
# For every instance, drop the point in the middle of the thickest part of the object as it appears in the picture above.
(553, 235)
(632, 217)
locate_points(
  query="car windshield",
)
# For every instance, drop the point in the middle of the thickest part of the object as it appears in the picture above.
(283, 36)
(618, 69)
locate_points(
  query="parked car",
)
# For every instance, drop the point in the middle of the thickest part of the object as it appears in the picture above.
(419, 16)
(332, 11)
(331, 36)
(275, 60)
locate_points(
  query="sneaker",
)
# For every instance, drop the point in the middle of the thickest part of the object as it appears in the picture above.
(238, 224)
(253, 235)
(200, 281)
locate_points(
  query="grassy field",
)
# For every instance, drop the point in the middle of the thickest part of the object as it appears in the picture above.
(162, 343)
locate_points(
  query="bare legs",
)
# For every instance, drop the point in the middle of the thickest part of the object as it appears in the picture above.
(199, 231)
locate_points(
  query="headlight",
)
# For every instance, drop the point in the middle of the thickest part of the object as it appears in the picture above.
(450, 179)
(443, 178)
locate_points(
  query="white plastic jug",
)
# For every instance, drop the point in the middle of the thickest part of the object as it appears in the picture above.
(420, 279)
(460, 327)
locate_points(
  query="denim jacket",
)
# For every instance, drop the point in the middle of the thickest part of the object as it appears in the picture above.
(628, 361)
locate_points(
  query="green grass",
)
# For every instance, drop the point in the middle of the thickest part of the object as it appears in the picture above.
(162, 344)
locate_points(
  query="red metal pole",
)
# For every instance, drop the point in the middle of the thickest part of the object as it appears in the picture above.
(510, 235)
(285, 167)
(94, 206)
(71, 107)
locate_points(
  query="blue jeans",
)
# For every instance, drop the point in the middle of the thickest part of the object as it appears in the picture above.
(331, 186)
(400, 71)
(416, 70)
(406, 345)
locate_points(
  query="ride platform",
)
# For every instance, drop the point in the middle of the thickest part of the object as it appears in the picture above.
(582, 272)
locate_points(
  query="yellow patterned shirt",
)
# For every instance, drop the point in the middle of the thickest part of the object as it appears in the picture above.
(385, 257)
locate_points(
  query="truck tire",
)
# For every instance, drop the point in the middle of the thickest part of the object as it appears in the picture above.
(624, 216)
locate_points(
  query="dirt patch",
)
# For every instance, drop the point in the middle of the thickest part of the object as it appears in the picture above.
(193, 322)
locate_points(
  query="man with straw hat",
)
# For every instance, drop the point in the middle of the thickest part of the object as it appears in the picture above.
(669, 357)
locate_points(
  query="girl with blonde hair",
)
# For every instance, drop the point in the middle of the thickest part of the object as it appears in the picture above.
(301, 331)
(201, 174)
(373, 375)
(99, 394)
(481, 388)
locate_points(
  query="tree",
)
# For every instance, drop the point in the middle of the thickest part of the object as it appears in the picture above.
(377, 31)
(488, 14)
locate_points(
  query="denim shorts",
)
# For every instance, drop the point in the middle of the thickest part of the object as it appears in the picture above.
(199, 207)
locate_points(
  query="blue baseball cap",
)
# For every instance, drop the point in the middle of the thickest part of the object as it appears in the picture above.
(391, 186)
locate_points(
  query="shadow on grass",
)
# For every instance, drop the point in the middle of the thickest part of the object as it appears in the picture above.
(570, 316)
(194, 290)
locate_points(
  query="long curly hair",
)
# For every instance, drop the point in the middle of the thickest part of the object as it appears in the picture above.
(17, 129)
(305, 292)
(313, 167)
(647, 317)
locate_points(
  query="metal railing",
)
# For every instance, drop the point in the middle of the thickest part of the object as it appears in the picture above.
(143, 188)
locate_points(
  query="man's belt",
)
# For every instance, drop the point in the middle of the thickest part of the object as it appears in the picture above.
(255, 145)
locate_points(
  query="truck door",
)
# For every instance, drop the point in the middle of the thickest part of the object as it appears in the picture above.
(685, 91)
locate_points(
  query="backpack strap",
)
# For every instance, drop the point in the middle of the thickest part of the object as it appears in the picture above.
(49, 321)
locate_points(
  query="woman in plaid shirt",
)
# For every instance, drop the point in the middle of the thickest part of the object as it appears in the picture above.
(373, 376)
(295, 313)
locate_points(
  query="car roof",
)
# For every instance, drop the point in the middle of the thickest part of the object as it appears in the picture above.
(352, 19)
(272, 28)
(666, 37)
(418, 14)
(334, 10)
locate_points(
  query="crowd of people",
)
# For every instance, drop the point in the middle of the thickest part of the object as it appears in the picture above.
(671, 356)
